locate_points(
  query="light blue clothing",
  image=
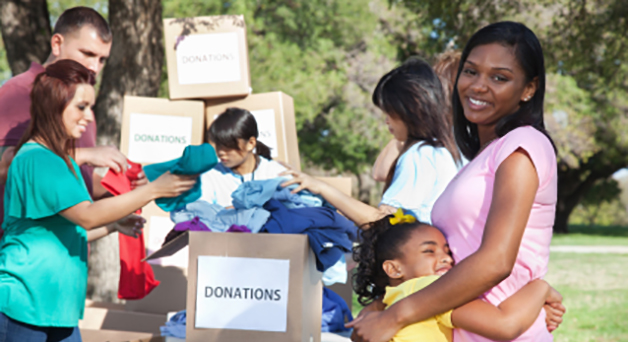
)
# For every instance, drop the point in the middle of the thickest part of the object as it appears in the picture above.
(256, 193)
(175, 327)
(301, 199)
(43, 256)
(421, 175)
(194, 161)
(219, 183)
(337, 273)
(219, 219)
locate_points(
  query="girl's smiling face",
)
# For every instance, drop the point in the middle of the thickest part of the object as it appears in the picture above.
(425, 253)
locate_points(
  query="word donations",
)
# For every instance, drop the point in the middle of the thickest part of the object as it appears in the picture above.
(242, 293)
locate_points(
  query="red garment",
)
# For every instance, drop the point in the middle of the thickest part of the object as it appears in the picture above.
(136, 277)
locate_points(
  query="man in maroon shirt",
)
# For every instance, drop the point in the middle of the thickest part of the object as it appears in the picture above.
(80, 34)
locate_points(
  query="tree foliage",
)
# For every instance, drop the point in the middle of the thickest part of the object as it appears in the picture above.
(329, 54)
(586, 60)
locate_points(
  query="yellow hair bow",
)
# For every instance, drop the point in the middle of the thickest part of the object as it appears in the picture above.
(399, 217)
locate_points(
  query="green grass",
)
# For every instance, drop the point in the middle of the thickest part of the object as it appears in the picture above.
(595, 293)
(580, 235)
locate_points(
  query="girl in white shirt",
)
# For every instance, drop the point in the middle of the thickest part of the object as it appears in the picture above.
(242, 157)
(412, 98)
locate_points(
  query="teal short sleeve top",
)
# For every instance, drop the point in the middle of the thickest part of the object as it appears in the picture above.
(43, 256)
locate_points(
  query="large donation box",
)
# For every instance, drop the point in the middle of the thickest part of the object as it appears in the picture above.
(250, 287)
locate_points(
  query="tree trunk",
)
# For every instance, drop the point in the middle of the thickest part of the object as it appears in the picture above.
(134, 68)
(573, 185)
(135, 62)
(26, 32)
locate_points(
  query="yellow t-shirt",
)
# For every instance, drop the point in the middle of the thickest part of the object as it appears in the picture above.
(435, 329)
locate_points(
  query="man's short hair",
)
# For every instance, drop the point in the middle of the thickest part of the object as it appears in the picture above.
(73, 19)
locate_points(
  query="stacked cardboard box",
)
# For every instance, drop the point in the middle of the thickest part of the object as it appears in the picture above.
(208, 72)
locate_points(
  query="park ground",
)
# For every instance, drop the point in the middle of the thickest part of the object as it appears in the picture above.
(594, 285)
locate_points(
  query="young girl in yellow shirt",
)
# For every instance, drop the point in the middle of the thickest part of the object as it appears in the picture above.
(399, 256)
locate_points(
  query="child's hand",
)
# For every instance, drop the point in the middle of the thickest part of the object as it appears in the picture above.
(554, 309)
(304, 182)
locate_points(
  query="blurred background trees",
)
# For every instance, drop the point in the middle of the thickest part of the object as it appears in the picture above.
(329, 54)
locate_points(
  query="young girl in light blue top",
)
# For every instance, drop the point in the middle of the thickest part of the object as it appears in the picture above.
(47, 210)
(412, 98)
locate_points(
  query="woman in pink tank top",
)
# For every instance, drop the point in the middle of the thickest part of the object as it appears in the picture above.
(498, 212)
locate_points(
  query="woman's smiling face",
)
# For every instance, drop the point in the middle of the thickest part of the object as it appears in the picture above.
(78, 114)
(492, 85)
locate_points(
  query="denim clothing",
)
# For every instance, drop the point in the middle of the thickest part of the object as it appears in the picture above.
(219, 219)
(175, 327)
(220, 182)
(335, 312)
(330, 234)
(256, 193)
(14, 331)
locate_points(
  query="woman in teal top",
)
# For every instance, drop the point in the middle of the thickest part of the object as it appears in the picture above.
(43, 253)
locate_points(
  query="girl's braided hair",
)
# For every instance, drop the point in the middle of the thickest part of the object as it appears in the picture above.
(379, 241)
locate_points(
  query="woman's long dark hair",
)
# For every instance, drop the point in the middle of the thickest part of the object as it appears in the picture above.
(413, 93)
(52, 92)
(379, 242)
(234, 124)
(529, 54)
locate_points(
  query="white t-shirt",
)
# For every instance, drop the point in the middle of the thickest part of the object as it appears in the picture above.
(219, 183)
(421, 175)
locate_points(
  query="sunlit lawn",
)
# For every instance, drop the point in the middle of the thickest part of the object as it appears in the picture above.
(594, 286)
(595, 291)
(596, 235)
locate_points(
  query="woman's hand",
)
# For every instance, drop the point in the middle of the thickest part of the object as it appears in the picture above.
(140, 181)
(373, 326)
(102, 156)
(305, 182)
(554, 309)
(170, 185)
(131, 225)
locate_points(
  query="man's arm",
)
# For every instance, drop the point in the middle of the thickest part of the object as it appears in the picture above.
(7, 153)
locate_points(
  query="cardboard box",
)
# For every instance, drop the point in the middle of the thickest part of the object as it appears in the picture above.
(250, 287)
(172, 270)
(207, 57)
(108, 319)
(90, 335)
(156, 130)
(274, 113)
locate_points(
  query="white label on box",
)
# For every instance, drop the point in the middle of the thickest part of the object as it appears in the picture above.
(158, 138)
(208, 58)
(242, 293)
(267, 129)
(159, 227)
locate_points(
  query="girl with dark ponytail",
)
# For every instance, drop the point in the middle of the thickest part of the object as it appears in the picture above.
(398, 256)
(243, 157)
